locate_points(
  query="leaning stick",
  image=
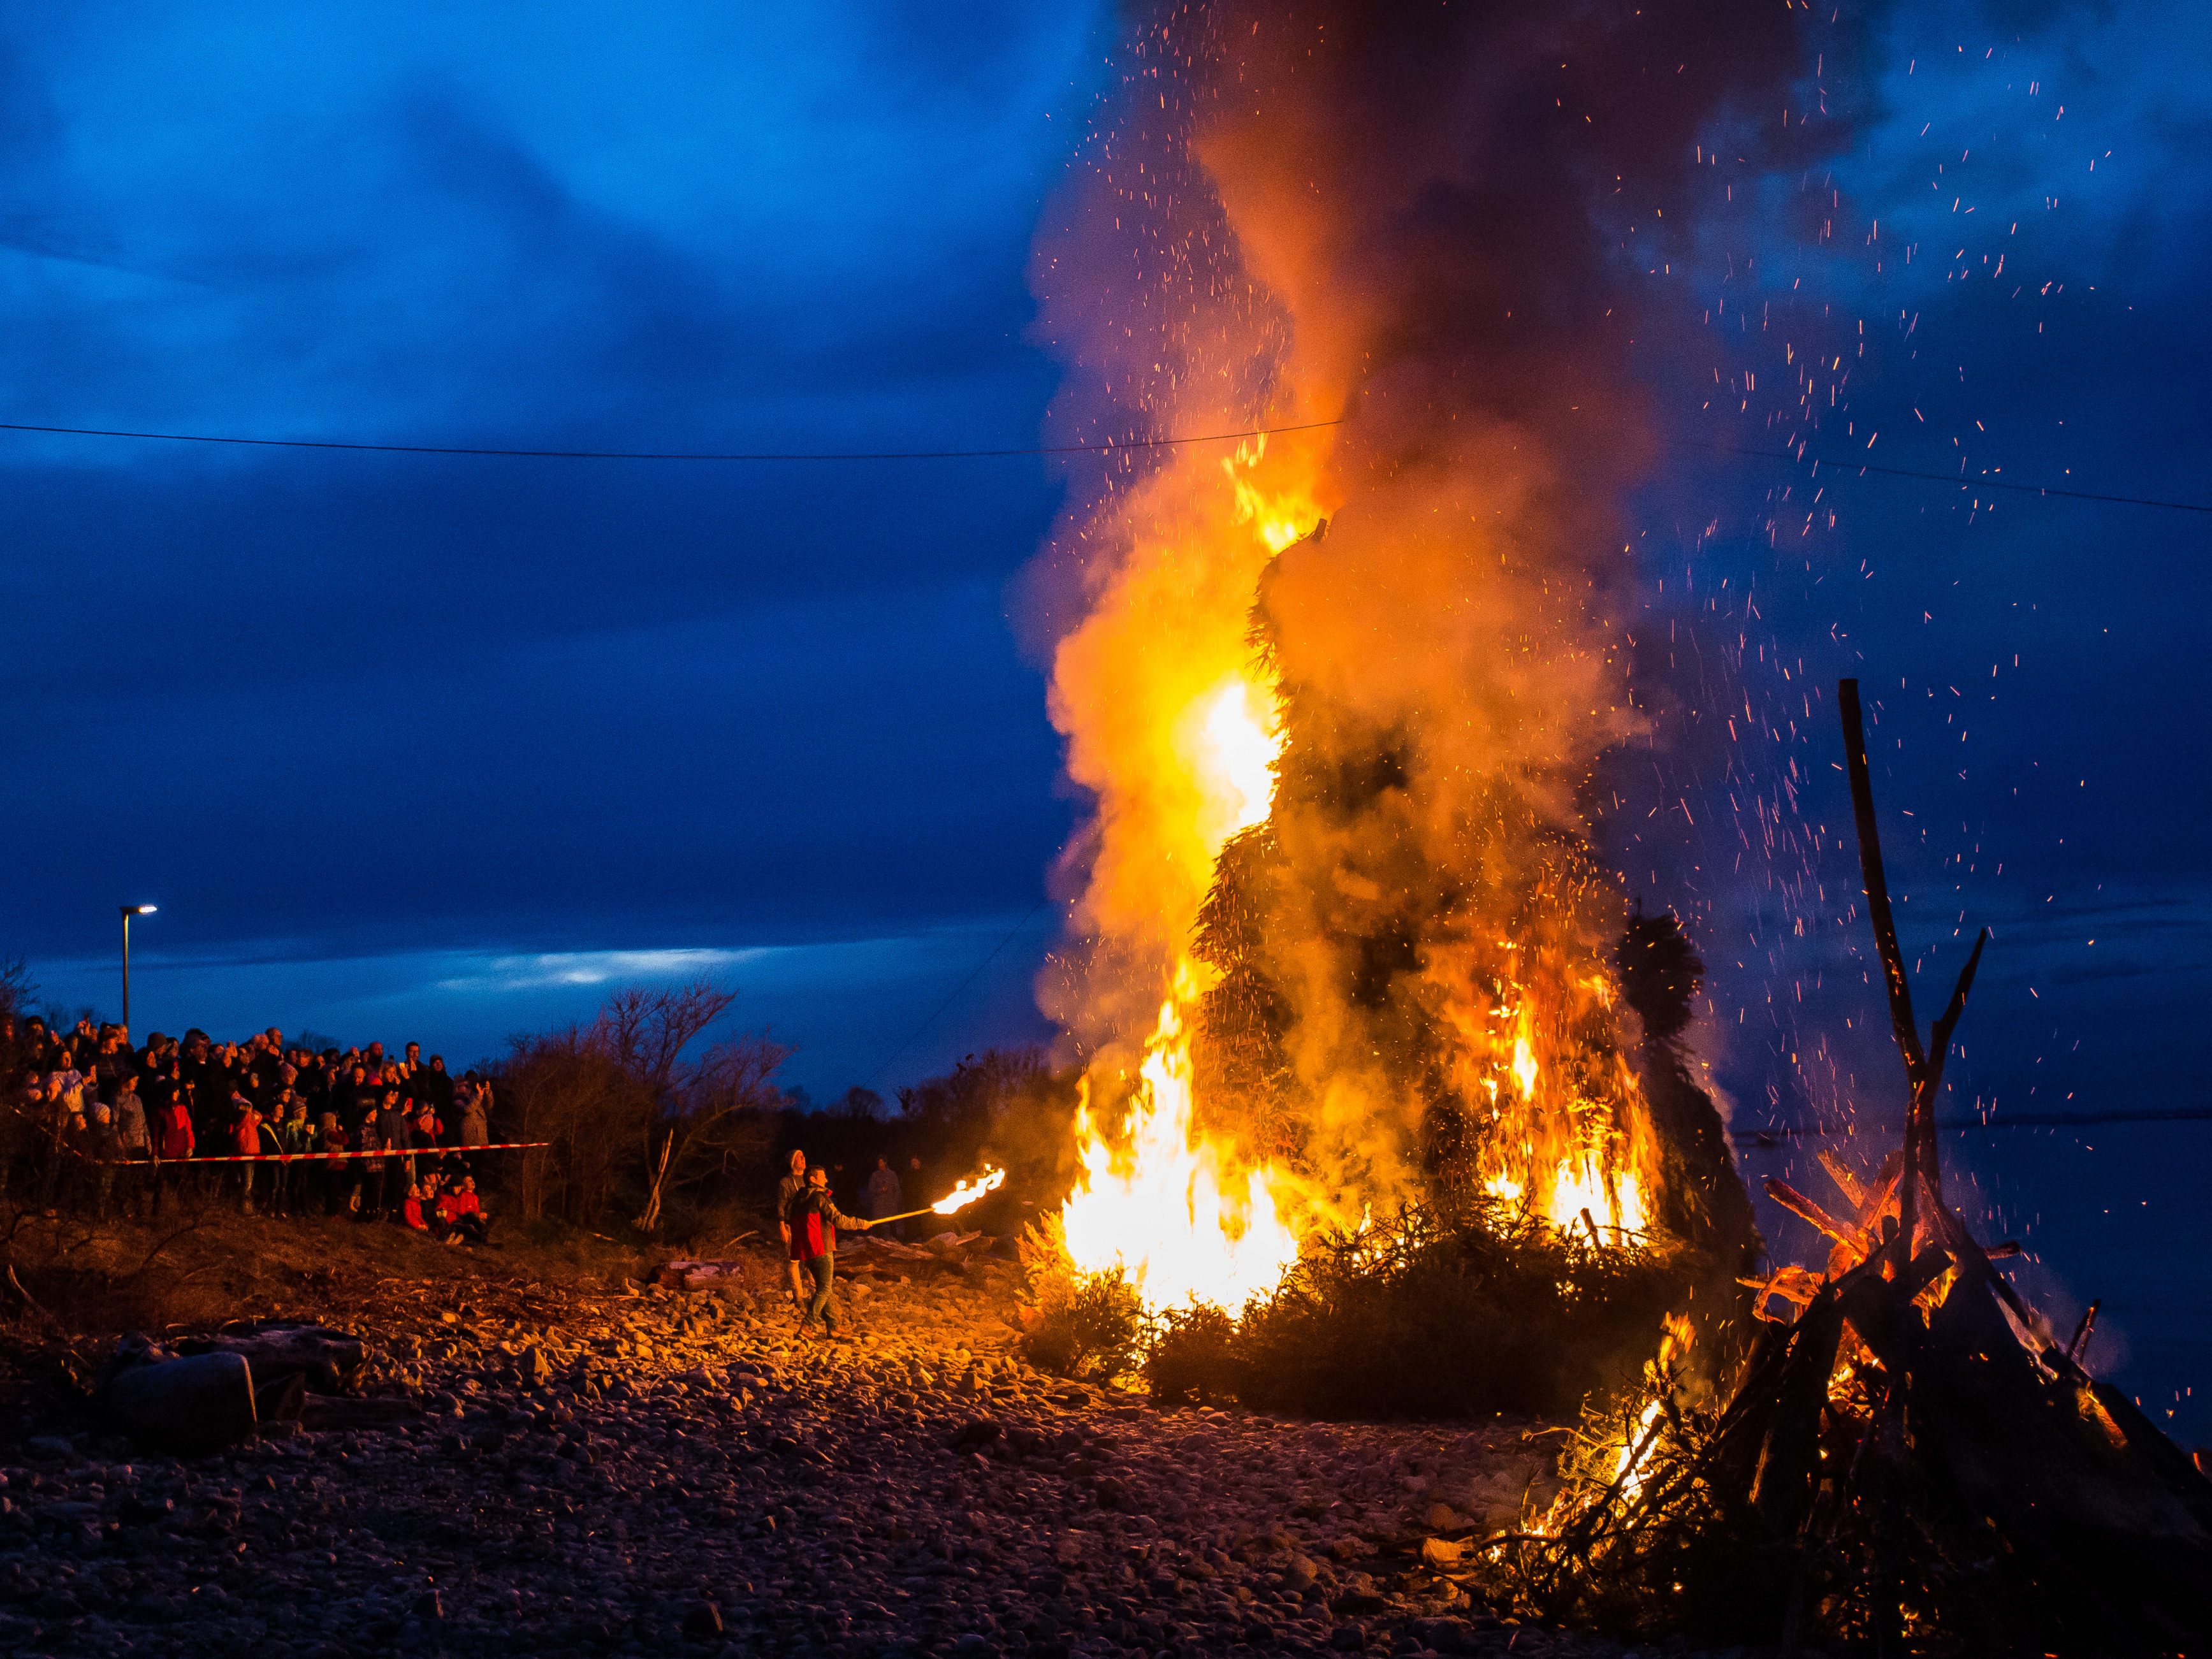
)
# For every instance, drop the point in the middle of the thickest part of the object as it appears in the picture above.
(1893, 959)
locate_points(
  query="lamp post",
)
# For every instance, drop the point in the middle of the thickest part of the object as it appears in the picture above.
(129, 911)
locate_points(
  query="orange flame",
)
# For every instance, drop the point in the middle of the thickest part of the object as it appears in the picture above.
(969, 1191)
(1168, 1208)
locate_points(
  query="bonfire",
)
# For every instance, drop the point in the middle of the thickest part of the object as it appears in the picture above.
(1911, 1456)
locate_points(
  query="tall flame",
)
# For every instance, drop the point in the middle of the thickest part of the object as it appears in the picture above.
(1167, 1207)
(1429, 940)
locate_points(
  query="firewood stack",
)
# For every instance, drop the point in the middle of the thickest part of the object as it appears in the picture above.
(1911, 1460)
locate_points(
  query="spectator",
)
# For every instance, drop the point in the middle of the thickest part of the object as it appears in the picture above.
(368, 1173)
(136, 1142)
(104, 1148)
(130, 1117)
(883, 1194)
(352, 1096)
(461, 1214)
(330, 1138)
(395, 1133)
(410, 1209)
(23, 1136)
(474, 1114)
(246, 1136)
(66, 1172)
(290, 1134)
(786, 1191)
(430, 1129)
(174, 1140)
(436, 1087)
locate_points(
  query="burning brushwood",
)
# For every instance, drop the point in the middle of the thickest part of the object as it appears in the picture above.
(1911, 1457)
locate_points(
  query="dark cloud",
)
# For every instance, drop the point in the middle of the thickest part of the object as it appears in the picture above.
(320, 706)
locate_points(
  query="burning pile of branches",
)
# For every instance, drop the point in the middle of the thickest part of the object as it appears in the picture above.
(1914, 1459)
(1432, 1313)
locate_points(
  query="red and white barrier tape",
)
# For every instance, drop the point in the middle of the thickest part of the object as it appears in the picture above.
(325, 1158)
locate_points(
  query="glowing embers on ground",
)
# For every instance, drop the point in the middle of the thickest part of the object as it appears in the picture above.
(1166, 1207)
(1565, 1160)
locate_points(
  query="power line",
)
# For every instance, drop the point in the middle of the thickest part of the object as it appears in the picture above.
(1817, 462)
(875, 1075)
(668, 454)
(1794, 457)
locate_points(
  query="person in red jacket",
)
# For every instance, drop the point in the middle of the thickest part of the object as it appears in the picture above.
(245, 1134)
(173, 1141)
(814, 1219)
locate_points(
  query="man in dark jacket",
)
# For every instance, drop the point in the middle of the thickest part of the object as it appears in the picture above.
(786, 1191)
(814, 1220)
(396, 1130)
(104, 1147)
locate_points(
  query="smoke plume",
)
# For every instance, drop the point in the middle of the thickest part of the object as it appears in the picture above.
(1452, 230)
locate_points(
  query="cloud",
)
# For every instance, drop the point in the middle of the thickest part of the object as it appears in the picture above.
(367, 702)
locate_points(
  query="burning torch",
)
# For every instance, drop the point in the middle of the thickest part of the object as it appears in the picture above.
(958, 1199)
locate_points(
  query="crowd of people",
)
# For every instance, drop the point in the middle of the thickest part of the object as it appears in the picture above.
(100, 1124)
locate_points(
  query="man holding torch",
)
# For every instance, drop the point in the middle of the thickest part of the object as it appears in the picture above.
(812, 1222)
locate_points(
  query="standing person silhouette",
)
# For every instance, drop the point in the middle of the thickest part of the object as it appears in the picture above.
(814, 1219)
(788, 1188)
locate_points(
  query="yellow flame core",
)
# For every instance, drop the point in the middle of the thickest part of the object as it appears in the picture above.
(1233, 745)
(1166, 1209)
(1628, 1469)
(1183, 1215)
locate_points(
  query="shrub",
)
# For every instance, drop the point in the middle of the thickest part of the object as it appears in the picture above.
(1192, 1358)
(1440, 1315)
(1086, 1325)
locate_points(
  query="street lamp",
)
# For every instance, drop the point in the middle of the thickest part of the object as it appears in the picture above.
(129, 911)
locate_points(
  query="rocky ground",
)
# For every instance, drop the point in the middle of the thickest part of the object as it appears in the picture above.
(599, 1472)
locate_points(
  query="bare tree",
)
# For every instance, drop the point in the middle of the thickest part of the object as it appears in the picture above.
(618, 1101)
(732, 1086)
(647, 1032)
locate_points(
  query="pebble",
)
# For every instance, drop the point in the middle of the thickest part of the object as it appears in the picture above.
(606, 1473)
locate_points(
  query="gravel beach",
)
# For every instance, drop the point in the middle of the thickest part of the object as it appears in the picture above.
(648, 1471)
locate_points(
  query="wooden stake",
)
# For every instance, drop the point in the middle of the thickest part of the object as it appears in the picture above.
(2081, 1342)
(1876, 884)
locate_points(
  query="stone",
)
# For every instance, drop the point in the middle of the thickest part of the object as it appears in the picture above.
(702, 1623)
(1442, 1552)
(186, 1406)
(1441, 1517)
(600, 1507)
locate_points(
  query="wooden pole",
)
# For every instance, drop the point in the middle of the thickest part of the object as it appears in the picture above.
(1900, 990)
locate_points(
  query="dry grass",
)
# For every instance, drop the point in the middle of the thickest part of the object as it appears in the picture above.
(78, 1284)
